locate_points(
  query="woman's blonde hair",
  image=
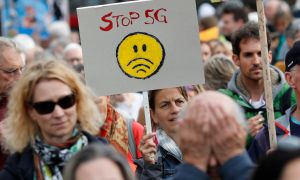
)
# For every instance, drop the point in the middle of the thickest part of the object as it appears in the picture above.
(18, 129)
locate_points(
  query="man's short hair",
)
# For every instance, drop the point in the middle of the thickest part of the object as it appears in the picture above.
(7, 43)
(249, 31)
(235, 8)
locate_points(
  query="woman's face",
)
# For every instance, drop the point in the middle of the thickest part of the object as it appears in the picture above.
(56, 126)
(168, 103)
(219, 49)
(205, 52)
(100, 169)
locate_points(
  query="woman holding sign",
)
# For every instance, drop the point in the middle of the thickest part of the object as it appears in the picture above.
(160, 159)
(51, 117)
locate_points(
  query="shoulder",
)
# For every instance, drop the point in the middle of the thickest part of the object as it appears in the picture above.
(94, 139)
(188, 171)
(19, 165)
(137, 128)
(285, 91)
(228, 92)
(238, 167)
(234, 95)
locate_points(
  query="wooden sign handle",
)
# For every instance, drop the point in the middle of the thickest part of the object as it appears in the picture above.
(266, 73)
(147, 112)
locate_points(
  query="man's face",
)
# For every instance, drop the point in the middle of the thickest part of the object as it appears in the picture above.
(293, 78)
(249, 60)
(270, 10)
(229, 25)
(74, 57)
(11, 65)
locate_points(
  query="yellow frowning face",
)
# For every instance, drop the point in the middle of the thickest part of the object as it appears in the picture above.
(140, 55)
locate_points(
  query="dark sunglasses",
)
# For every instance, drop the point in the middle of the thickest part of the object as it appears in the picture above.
(46, 107)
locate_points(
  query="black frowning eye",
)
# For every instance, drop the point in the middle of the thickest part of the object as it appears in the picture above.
(144, 47)
(135, 48)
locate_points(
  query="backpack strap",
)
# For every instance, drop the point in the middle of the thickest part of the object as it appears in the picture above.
(131, 140)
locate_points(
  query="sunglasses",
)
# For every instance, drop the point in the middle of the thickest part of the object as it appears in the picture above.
(46, 107)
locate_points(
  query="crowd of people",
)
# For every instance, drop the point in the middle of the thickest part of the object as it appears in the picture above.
(52, 126)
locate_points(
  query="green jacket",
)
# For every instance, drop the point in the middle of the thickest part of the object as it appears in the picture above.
(283, 96)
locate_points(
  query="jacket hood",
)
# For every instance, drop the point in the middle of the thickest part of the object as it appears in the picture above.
(278, 80)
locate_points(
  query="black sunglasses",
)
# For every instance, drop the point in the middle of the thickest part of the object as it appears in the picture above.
(46, 107)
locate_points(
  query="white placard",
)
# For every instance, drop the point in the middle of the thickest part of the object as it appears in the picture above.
(140, 45)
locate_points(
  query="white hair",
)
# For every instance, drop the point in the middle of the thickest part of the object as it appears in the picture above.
(59, 29)
(72, 46)
(24, 42)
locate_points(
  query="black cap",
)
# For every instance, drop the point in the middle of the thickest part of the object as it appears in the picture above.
(292, 57)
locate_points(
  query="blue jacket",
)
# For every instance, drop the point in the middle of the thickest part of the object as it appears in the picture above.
(20, 166)
(237, 168)
(163, 169)
(261, 143)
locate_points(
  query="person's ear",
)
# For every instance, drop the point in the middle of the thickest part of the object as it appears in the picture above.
(32, 114)
(270, 56)
(236, 60)
(290, 79)
(240, 22)
(153, 117)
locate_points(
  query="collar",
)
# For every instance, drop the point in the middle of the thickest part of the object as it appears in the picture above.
(283, 123)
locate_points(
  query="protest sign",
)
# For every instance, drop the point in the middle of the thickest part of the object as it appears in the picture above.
(140, 45)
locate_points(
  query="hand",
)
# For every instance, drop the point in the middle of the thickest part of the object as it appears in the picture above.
(193, 136)
(255, 124)
(147, 147)
(228, 136)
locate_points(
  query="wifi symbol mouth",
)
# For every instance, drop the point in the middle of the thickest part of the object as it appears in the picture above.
(136, 59)
(141, 69)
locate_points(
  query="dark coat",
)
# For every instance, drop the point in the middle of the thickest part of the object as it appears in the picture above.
(163, 169)
(237, 168)
(261, 142)
(20, 166)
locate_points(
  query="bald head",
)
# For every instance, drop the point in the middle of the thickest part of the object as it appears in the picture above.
(73, 54)
(215, 100)
(11, 65)
(271, 7)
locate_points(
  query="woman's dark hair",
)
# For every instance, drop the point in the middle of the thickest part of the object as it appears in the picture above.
(152, 94)
(92, 152)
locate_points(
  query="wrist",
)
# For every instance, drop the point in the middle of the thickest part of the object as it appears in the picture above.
(224, 158)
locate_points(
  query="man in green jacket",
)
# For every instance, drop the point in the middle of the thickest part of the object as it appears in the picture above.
(246, 86)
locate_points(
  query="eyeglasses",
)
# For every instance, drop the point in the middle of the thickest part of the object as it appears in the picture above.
(46, 107)
(12, 70)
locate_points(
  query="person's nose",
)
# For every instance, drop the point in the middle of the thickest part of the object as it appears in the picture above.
(256, 59)
(175, 108)
(58, 111)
